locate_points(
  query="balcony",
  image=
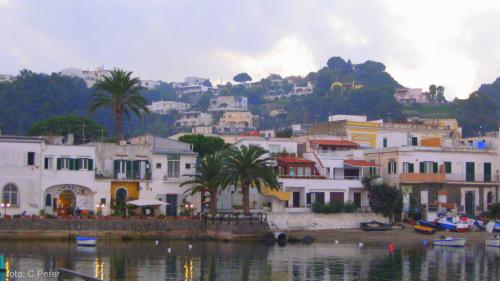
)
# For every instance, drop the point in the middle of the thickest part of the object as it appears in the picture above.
(472, 177)
(422, 178)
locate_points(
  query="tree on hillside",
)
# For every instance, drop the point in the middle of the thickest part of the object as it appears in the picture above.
(120, 93)
(204, 145)
(209, 178)
(383, 199)
(247, 167)
(83, 129)
(440, 98)
(477, 114)
(242, 78)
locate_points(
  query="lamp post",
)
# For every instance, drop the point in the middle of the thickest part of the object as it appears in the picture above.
(5, 206)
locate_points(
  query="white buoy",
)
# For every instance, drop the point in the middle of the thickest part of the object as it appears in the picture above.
(361, 244)
(157, 242)
(336, 241)
(190, 246)
(169, 250)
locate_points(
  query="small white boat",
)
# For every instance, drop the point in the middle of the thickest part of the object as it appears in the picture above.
(450, 242)
(493, 242)
(86, 241)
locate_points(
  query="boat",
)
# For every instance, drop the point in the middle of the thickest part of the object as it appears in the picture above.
(497, 227)
(375, 225)
(424, 229)
(444, 224)
(86, 241)
(450, 242)
(427, 223)
(462, 227)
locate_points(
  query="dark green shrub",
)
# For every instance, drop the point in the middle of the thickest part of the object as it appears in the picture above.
(334, 207)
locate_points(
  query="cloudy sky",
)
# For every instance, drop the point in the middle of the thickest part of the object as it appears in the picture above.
(452, 43)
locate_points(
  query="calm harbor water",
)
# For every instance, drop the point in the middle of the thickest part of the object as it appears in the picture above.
(130, 260)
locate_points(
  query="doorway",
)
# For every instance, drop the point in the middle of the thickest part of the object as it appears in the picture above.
(357, 199)
(66, 203)
(296, 199)
(469, 203)
(171, 208)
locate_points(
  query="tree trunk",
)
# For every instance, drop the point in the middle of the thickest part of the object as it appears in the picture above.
(245, 190)
(119, 122)
(213, 201)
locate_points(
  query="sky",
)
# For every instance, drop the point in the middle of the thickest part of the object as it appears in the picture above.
(453, 43)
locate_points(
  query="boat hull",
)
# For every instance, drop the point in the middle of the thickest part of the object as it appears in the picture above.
(454, 242)
(375, 226)
(86, 241)
(448, 226)
(493, 243)
(427, 223)
(424, 229)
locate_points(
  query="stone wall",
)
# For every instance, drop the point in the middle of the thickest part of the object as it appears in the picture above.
(313, 221)
(129, 228)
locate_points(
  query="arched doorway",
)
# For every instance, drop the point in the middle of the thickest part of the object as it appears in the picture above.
(470, 203)
(66, 203)
(121, 196)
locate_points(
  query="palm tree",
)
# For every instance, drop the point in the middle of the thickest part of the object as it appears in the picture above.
(209, 178)
(249, 167)
(120, 93)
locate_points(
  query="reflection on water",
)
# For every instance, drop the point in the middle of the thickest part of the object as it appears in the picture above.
(251, 261)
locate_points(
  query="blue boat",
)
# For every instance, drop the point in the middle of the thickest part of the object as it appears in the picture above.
(427, 223)
(497, 227)
(86, 241)
(444, 224)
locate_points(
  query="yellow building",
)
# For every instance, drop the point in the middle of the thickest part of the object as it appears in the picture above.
(235, 121)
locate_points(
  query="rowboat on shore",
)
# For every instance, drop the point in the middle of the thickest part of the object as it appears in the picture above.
(427, 223)
(444, 224)
(424, 229)
(86, 241)
(375, 225)
(450, 242)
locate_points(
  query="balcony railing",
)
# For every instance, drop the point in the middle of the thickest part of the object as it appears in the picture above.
(301, 177)
(422, 178)
(472, 177)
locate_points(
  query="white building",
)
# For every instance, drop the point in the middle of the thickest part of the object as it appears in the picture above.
(228, 103)
(6, 78)
(194, 119)
(89, 76)
(301, 90)
(192, 86)
(165, 107)
(409, 96)
(150, 84)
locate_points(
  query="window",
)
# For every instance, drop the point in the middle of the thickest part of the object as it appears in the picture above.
(487, 172)
(300, 171)
(428, 167)
(384, 142)
(64, 163)
(469, 171)
(408, 167)
(292, 171)
(307, 171)
(31, 158)
(11, 195)
(447, 167)
(121, 196)
(274, 148)
(48, 163)
(173, 165)
(372, 171)
(188, 166)
(414, 141)
(48, 200)
(392, 167)
(84, 164)
(158, 165)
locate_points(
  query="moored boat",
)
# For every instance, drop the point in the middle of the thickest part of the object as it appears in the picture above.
(462, 227)
(427, 223)
(86, 241)
(449, 242)
(375, 225)
(444, 224)
(424, 229)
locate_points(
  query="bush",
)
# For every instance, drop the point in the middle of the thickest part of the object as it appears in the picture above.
(334, 207)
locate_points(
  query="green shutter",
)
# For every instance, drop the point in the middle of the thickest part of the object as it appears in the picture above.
(411, 168)
(129, 169)
(77, 163)
(469, 171)
(71, 164)
(389, 167)
(59, 163)
(90, 164)
(136, 169)
(435, 167)
(487, 172)
(116, 167)
(422, 167)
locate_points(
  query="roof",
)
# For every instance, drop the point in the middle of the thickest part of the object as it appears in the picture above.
(342, 143)
(294, 160)
(359, 163)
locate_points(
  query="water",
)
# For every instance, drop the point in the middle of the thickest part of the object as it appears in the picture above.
(144, 260)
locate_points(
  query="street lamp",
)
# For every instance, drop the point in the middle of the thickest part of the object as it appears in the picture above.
(5, 206)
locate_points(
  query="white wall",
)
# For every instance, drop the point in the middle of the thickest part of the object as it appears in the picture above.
(312, 221)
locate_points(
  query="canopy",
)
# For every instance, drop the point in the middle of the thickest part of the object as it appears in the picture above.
(278, 194)
(146, 202)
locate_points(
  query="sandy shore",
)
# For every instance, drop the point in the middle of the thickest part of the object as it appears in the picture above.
(404, 236)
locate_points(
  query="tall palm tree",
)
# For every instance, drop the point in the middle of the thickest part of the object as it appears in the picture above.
(120, 93)
(208, 178)
(249, 167)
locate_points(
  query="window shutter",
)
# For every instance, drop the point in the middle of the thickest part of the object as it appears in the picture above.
(411, 168)
(435, 167)
(116, 165)
(77, 163)
(395, 167)
(422, 167)
(389, 168)
(128, 169)
(59, 164)
(71, 163)
(90, 164)
(46, 163)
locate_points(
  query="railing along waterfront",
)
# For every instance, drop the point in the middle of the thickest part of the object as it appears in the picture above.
(233, 217)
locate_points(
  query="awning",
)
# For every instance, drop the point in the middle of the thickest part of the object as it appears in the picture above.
(145, 203)
(341, 143)
(359, 163)
(278, 194)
